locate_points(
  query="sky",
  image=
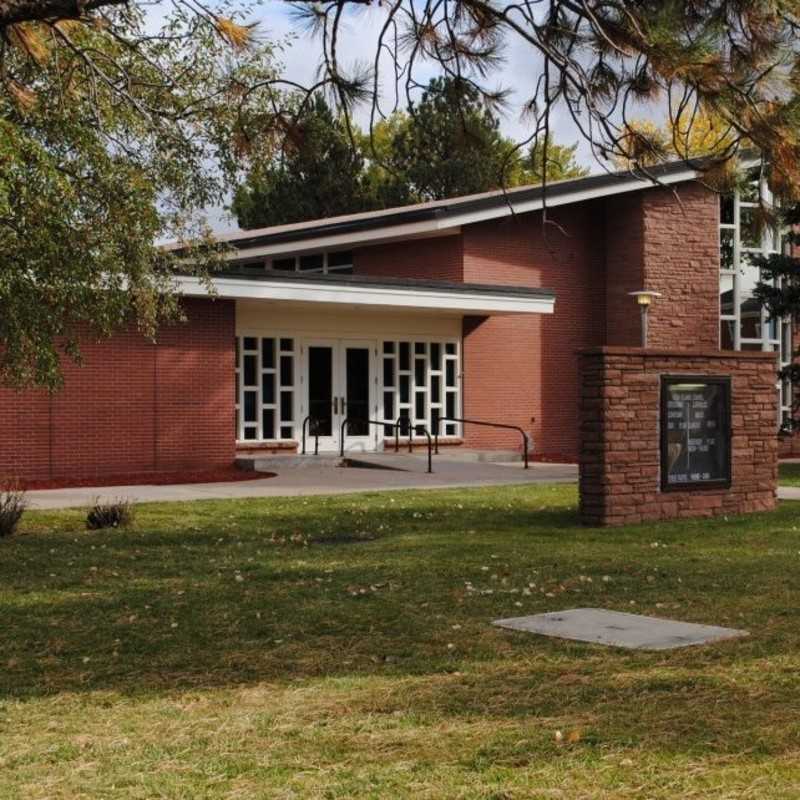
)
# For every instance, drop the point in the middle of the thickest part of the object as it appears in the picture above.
(301, 56)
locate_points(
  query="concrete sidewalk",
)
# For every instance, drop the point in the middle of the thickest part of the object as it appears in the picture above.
(789, 493)
(319, 480)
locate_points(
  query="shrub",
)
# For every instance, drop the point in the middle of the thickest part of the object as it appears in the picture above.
(12, 507)
(117, 514)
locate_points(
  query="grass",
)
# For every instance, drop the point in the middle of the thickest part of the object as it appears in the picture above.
(789, 474)
(340, 648)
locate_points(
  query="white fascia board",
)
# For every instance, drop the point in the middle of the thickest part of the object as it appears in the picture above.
(452, 223)
(579, 196)
(377, 296)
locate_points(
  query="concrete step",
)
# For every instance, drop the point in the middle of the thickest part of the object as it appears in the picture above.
(402, 461)
(274, 462)
(281, 463)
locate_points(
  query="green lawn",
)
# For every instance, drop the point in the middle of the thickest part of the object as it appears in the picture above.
(339, 648)
(789, 474)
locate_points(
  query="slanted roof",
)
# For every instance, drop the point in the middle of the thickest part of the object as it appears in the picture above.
(440, 217)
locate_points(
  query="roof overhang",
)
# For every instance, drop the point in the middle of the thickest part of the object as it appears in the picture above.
(471, 299)
(443, 217)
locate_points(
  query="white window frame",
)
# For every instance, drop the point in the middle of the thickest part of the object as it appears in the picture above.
(261, 371)
(326, 269)
(423, 389)
(783, 328)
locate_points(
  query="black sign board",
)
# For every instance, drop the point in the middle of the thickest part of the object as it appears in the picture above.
(695, 432)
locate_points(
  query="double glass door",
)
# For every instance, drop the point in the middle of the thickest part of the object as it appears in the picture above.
(340, 381)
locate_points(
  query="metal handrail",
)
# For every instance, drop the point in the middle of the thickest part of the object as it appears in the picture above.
(308, 419)
(481, 422)
(382, 424)
(399, 424)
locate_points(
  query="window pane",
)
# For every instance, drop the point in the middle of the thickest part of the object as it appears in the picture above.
(388, 405)
(286, 406)
(419, 348)
(786, 341)
(450, 373)
(726, 295)
(749, 192)
(250, 407)
(268, 353)
(287, 344)
(250, 371)
(726, 209)
(268, 424)
(750, 319)
(419, 406)
(388, 372)
(436, 356)
(450, 406)
(405, 354)
(726, 240)
(287, 432)
(750, 227)
(287, 371)
(250, 433)
(450, 348)
(268, 388)
(311, 263)
(250, 343)
(344, 258)
(404, 389)
(419, 372)
(388, 347)
(436, 389)
(726, 329)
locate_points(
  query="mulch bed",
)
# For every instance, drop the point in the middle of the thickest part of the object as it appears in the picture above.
(149, 479)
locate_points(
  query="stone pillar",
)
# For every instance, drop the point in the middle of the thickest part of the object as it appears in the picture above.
(620, 477)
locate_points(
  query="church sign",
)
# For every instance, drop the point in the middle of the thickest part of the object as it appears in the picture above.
(695, 432)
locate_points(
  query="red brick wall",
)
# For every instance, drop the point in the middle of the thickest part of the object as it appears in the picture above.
(522, 370)
(681, 260)
(437, 259)
(620, 457)
(624, 268)
(666, 240)
(132, 406)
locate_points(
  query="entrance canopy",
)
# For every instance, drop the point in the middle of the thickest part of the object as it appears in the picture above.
(346, 290)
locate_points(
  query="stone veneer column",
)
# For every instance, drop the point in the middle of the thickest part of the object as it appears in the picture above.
(620, 480)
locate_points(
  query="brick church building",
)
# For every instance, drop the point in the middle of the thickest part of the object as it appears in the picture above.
(472, 307)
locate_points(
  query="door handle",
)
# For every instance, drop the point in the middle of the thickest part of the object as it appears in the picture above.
(335, 405)
(342, 405)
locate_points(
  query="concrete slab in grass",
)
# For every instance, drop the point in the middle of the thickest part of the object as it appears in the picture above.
(618, 629)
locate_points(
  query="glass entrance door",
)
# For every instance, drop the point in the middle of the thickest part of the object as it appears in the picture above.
(319, 377)
(340, 380)
(357, 396)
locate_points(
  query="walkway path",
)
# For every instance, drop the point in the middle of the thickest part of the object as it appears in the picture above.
(332, 480)
(320, 480)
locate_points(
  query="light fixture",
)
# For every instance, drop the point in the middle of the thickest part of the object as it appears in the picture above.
(644, 298)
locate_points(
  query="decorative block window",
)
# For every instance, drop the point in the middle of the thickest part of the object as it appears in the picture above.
(421, 383)
(340, 262)
(744, 324)
(265, 388)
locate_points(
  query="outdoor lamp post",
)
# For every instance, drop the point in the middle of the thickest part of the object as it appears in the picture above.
(644, 298)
